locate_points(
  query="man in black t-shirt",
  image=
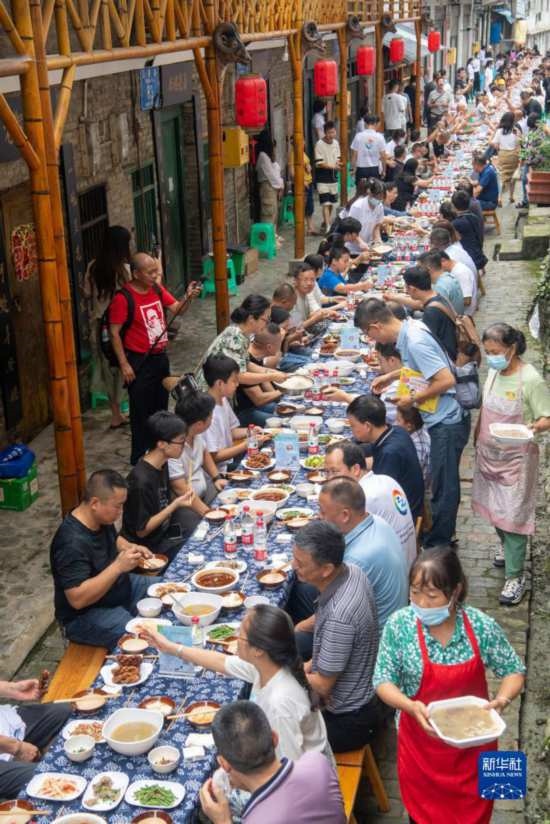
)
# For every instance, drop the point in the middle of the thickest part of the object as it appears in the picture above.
(95, 590)
(438, 321)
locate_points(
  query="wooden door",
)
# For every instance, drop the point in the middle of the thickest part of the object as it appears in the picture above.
(172, 201)
(17, 225)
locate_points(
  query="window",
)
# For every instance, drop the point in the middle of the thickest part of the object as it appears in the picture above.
(145, 208)
(94, 220)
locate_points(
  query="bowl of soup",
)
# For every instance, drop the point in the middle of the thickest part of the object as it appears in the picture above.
(132, 731)
(271, 578)
(205, 605)
(465, 722)
(215, 581)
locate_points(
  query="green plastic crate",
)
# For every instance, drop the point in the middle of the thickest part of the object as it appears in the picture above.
(19, 493)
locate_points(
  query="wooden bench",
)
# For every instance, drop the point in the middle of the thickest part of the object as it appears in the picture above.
(76, 671)
(352, 766)
(490, 218)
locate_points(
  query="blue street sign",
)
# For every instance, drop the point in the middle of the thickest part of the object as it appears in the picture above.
(149, 88)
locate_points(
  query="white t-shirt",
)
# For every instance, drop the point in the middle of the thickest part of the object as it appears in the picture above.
(506, 141)
(456, 251)
(468, 284)
(191, 456)
(385, 498)
(369, 146)
(218, 435)
(268, 171)
(318, 125)
(369, 218)
(11, 726)
(286, 704)
(395, 111)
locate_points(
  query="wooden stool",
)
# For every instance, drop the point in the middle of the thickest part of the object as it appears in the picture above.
(490, 218)
(354, 765)
(76, 671)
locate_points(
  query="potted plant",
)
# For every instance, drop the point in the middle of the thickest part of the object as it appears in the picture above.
(536, 153)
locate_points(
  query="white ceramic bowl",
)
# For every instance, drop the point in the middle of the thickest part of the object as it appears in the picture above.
(304, 490)
(80, 818)
(348, 354)
(335, 425)
(228, 496)
(126, 715)
(215, 590)
(268, 508)
(79, 747)
(344, 368)
(171, 754)
(281, 494)
(302, 423)
(149, 607)
(188, 598)
(274, 423)
(255, 600)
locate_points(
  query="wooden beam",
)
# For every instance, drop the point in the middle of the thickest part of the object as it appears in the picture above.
(379, 87)
(418, 82)
(14, 66)
(17, 134)
(343, 48)
(296, 64)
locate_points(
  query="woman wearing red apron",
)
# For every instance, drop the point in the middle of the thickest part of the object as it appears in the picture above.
(432, 650)
(505, 475)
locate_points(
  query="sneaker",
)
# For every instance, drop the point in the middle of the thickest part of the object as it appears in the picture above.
(498, 560)
(513, 591)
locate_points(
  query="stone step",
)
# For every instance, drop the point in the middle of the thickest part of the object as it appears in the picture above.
(511, 250)
(536, 237)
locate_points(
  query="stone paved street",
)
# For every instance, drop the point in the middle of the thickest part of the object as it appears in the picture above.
(26, 612)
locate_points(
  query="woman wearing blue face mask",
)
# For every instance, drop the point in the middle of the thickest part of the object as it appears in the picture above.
(505, 476)
(434, 649)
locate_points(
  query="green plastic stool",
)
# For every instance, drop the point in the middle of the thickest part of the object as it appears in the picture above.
(99, 398)
(209, 285)
(262, 238)
(287, 210)
(238, 257)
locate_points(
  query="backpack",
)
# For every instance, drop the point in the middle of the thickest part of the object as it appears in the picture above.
(105, 341)
(466, 331)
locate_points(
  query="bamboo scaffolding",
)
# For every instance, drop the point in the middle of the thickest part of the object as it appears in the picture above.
(418, 83)
(296, 63)
(17, 134)
(343, 49)
(62, 268)
(47, 266)
(7, 24)
(379, 86)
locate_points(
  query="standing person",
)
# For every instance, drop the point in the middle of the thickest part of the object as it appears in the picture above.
(407, 183)
(468, 225)
(448, 424)
(368, 151)
(486, 188)
(369, 211)
(462, 84)
(505, 476)
(437, 313)
(108, 272)
(308, 186)
(151, 516)
(434, 649)
(476, 68)
(444, 281)
(438, 103)
(270, 181)
(318, 120)
(394, 108)
(138, 332)
(327, 166)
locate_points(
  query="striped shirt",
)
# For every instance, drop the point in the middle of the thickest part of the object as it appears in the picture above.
(345, 639)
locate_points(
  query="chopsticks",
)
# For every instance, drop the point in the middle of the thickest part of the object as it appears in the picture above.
(176, 715)
(76, 699)
(24, 811)
(122, 654)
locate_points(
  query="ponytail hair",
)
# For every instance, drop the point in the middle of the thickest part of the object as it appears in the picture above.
(507, 335)
(192, 405)
(270, 629)
(252, 306)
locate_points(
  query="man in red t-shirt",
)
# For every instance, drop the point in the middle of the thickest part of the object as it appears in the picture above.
(141, 350)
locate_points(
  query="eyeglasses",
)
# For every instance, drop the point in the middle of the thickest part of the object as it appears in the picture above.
(178, 443)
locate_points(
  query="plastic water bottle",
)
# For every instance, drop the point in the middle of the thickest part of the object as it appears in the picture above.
(252, 442)
(260, 540)
(247, 529)
(229, 538)
(197, 633)
(316, 388)
(350, 302)
(312, 441)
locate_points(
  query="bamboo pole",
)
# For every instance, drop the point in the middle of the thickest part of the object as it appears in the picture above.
(63, 284)
(47, 265)
(62, 27)
(11, 31)
(343, 114)
(417, 90)
(63, 103)
(379, 88)
(216, 175)
(17, 134)
(296, 62)
(14, 66)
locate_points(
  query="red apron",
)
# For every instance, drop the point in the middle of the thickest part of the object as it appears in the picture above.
(438, 782)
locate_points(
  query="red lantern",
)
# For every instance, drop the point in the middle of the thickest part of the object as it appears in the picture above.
(366, 60)
(325, 78)
(434, 41)
(397, 50)
(251, 101)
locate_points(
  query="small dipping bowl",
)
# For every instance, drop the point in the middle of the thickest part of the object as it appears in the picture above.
(153, 815)
(165, 753)
(274, 423)
(305, 490)
(335, 425)
(79, 747)
(229, 496)
(255, 600)
(149, 607)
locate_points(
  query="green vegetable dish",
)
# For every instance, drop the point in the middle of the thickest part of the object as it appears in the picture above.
(315, 462)
(154, 795)
(221, 633)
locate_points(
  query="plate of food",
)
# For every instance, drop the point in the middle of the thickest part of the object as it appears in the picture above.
(259, 461)
(216, 517)
(54, 786)
(158, 703)
(227, 563)
(288, 513)
(130, 643)
(217, 580)
(91, 700)
(152, 565)
(241, 476)
(164, 591)
(465, 722)
(90, 727)
(313, 462)
(294, 385)
(202, 713)
(137, 624)
(284, 410)
(271, 578)
(273, 494)
(163, 794)
(105, 791)
(279, 476)
(16, 812)
(512, 434)
(381, 249)
(233, 600)
(128, 673)
(223, 634)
